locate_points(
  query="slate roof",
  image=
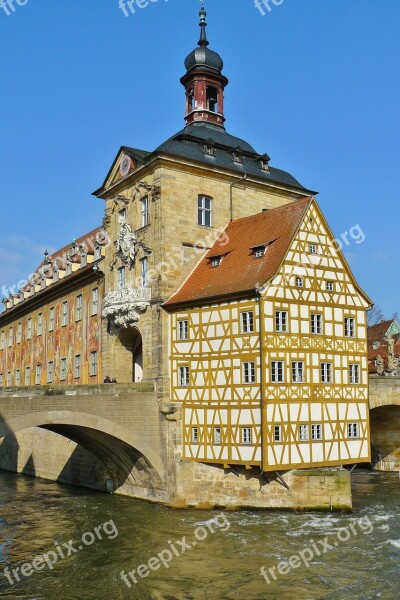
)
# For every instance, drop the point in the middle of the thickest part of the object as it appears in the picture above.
(239, 270)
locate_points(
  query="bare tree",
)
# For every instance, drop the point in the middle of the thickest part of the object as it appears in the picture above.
(375, 315)
(396, 316)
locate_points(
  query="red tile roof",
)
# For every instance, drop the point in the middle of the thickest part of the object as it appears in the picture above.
(239, 270)
(377, 332)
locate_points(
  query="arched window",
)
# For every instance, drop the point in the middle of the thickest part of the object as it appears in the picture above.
(212, 99)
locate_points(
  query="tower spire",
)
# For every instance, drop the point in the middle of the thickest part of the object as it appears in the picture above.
(203, 41)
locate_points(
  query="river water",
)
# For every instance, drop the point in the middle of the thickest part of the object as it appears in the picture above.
(195, 555)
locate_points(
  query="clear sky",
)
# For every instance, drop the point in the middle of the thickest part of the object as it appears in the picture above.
(314, 83)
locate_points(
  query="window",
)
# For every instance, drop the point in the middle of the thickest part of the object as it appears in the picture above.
(97, 251)
(298, 372)
(64, 314)
(50, 372)
(184, 376)
(40, 324)
(204, 205)
(51, 319)
(144, 211)
(277, 433)
(215, 261)
(299, 282)
(277, 371)
(212, 99)
(28, 376)
(29, 329)
(19, 333)
(326, 372)
(77, 366)
(217, 435)
(1, 379)
(144, 271)
(183, 330)
(63, 369)
(38, 375)
(195, 435)
(349, 327)
(246, 435)
(281, 320)
(249, 372)
(93, 364)
(316, 432)
(95, 301)
(247, 321)
(78, 314)
(313, 249)
(9, 378)
(259, 251)
(121, 278)
(330, 286)
(355, 374)
(353, 430)
(316, 324)
(303, 433)
(2, 340)
(10, 337)
(18, 377)
(122, 213)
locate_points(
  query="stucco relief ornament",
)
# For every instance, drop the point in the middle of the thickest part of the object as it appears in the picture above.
(126, 244)
(123, 307)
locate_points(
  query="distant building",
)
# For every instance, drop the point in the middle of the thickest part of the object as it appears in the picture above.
(262, 344)
(384, 347)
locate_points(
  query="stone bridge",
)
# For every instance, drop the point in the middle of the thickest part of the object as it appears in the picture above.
(113, 436)
(384, 401)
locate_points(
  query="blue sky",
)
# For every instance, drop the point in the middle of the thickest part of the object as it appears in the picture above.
(314, 83)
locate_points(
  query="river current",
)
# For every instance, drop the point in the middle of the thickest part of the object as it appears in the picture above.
(64, 543)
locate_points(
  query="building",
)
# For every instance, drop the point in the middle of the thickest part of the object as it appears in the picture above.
(384, 347)
(219, 281)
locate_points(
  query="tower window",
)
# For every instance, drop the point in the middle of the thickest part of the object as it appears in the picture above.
(204, 205)
(212, 99)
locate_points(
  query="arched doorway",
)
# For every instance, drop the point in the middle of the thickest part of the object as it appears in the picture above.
(129, 356)
(137, 357)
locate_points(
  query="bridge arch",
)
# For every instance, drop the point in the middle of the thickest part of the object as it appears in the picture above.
(385, 436)
(128, 460)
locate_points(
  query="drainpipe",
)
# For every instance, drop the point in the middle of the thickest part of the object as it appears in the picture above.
(234, 184)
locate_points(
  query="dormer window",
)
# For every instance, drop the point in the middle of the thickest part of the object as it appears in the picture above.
(209, 150)
(68, 268)
(259, 251)
(237, 158)
(215, 261)
(264, 164)
(74, 249)
(97, 251)
(56, 273)
(83, 254)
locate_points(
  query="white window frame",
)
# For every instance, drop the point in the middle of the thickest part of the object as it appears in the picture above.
(330, 286)
(353, 431)
(183, 329)
(39, 324)
(247, 321)
(27, 376)
(9, 379)
(29, 329)
(313, 249)
(63, 369)
(64, 320)
(316, 324)
(278, 434)
(184, 376)
(326, 373)
(298, 372)
(3, 340)
(10, 337)
(38, 374)
(354, 374)
(249, 372)
(144, 271)
(144, 206)
(300, 282)
(77, 366)
(121, 274)
(217, 435)
(304, 433)
(316, 432)
(259, 251)
(195, 435)
(95, 301)
(79, 306)
(204, 211)
(1, 379)
(93, 363)
(277, 371)
(51, 318)
(18, 377)
(19, 333)
(50, 371)
(350, 327)
(246, 435)
(281, 321)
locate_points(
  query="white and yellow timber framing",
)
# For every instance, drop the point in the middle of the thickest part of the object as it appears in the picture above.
(218, 406)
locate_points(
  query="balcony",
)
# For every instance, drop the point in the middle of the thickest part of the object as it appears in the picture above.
(123, 307)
